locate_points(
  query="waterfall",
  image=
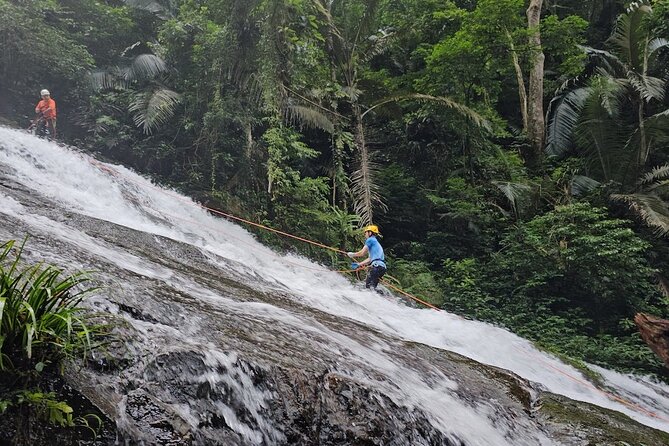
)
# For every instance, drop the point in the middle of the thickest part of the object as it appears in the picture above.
(80, 213)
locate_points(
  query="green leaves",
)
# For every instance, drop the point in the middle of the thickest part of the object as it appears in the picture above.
(152, 104)
(38, 51)
(630, 35)
(154, 108)
(568, 279)
(581, 254)
(41, 323)
(285, 154)
(39, 319)
(48, 407)
(652, 209)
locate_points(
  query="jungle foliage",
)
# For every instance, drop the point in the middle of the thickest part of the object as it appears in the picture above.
(41, 324)
(317, 116)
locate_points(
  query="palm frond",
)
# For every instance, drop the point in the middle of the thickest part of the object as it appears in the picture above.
(657, 44)
(443, 100)
(629, 34)
(365, 191)
(604, 61)
(650, 208)
(107, 80)
(377, 44)
(130, 48)
(581, 185)
(655, 130)
(572, 84)
(154, 108)
(563, 115)
(657, 174)
(611, 92)
(310, 117)
(351, 92)
(657, 126)
(599, 133)
(145, 66)
(514, 192)
(649, 87)
(364, 187)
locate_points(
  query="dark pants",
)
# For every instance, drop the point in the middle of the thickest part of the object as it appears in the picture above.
(374, 274)
(46, 127)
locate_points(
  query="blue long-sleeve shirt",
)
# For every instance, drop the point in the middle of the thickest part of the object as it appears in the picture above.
(375, 252)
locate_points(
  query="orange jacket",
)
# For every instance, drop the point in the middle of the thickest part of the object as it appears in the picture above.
(47, 107)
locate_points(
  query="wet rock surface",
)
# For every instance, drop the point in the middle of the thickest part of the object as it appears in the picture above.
(205, 351)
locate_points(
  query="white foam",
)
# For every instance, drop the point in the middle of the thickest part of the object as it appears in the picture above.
(118, 195)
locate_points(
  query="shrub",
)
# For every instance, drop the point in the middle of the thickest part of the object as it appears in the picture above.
(415, 277)
(41, 323)
(39, 312)
(575, 258)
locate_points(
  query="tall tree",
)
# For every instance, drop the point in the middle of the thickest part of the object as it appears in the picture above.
(535, 96)
(610, 120)
(351, 41)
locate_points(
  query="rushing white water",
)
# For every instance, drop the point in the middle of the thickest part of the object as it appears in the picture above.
(115, 194)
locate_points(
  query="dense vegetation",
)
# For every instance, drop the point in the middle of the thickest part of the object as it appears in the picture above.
(514, 153)
(41, 323)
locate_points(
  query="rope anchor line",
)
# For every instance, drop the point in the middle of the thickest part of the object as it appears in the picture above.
(585, 383)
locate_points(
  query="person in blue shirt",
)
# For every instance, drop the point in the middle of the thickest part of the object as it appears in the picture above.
(375, 257)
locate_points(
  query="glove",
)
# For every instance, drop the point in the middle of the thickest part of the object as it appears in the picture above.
(355, 265)
(351, 254)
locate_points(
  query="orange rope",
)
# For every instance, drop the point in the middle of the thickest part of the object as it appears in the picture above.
(356, 271)
(267, 228)
(409, 295)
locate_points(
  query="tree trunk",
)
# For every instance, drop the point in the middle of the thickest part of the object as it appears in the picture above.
(643, 143)
(535, 104)
(337, 156)
(522, 91)
(248, 148)
(655, 332)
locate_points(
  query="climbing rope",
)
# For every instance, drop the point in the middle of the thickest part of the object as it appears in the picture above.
(583, 382)
(276, 231)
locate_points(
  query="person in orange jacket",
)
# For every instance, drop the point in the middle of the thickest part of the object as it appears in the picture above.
(46, 110)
